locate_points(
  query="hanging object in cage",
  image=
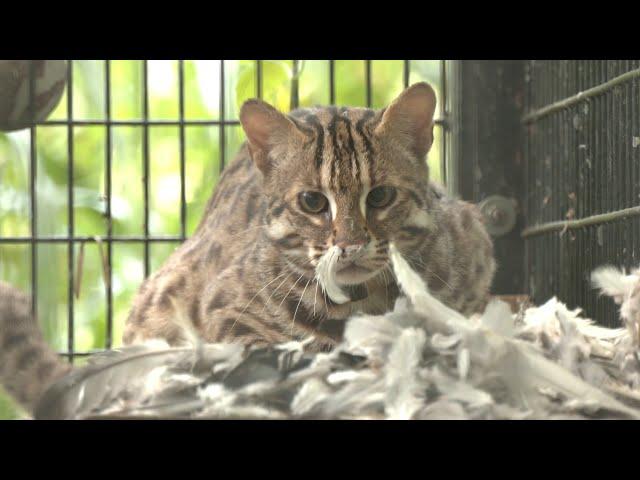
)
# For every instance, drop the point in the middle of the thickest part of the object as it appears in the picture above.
(17, 90)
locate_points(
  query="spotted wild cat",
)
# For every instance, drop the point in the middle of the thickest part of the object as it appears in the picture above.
(317, 178)
(304, 186)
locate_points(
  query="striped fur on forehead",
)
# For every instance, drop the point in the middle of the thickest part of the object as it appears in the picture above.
(343, 143)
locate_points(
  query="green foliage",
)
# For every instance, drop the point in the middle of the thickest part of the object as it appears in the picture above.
(203, 162)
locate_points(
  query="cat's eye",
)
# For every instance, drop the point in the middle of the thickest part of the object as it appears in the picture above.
(313, 202)
(380, 197)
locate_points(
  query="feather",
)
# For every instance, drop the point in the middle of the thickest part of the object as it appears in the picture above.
(118, 373)
(313, 392)
(613, 283)
(442, 410)
(326, 275)
(524, 368)
(404, 390)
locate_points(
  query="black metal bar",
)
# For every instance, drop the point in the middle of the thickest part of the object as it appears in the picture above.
(138, 123)
(183, 200)
(221, 132)
(295, 101)
(406, 74)
(443, 115)
(71, 216)
(108, 274)
(82, 239)
(367, 75)
(259, 78)
(632, 119)
(145, 163)
(33, 174)
(332, 82)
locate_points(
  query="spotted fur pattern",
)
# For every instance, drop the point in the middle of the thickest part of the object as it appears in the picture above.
(247, 274)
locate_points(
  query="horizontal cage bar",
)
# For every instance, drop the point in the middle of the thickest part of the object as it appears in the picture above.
(579, 97)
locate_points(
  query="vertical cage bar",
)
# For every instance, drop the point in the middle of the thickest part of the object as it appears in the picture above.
(183, 200)
(33, 173)
(259, 78)
(332, 82)
(444, 135)
(406, 72)
(107, 90)
(221, 132)
(70, 215)
(631, 185)
(294, 85)
(367, 75)
(145, 162)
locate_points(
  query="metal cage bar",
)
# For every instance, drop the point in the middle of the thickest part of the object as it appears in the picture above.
(332, 82)
(367, 80)
(139, 123)
(33, 174)
(145, 164)
(443, 119)
(221, 133)
(259, 78)
(295, 88)
(183, 200)
(70, 217)
(108, 153)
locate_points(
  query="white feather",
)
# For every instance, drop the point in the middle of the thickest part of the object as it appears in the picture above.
(613, 282)
(326, 275)
(405, 391)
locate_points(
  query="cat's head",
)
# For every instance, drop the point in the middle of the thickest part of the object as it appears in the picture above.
(350, 178)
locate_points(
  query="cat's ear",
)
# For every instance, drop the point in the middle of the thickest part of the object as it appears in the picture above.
(266, 129)
(409, 119)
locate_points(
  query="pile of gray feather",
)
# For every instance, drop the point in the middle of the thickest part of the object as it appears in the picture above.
(421, 361)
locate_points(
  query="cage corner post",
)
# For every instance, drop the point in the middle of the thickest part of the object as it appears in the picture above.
(487, 158)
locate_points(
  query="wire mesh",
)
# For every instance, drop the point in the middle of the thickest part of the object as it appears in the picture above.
(583, 166)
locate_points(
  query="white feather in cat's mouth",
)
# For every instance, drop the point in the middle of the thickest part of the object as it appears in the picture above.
(359, 265)
(342, 277)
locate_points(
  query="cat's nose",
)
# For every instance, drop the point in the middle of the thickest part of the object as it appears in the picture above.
(351, 248)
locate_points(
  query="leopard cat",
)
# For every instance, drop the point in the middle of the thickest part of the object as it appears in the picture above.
(318, 180)
(303, 183)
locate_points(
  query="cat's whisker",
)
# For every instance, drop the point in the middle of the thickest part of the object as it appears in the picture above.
(251, 301)
(386, 284)
(315, 298)
(297, 306)
(422, 265)
(293, 270)
(274, 292)
(297, 268)
(324, 317)
(292, 287)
